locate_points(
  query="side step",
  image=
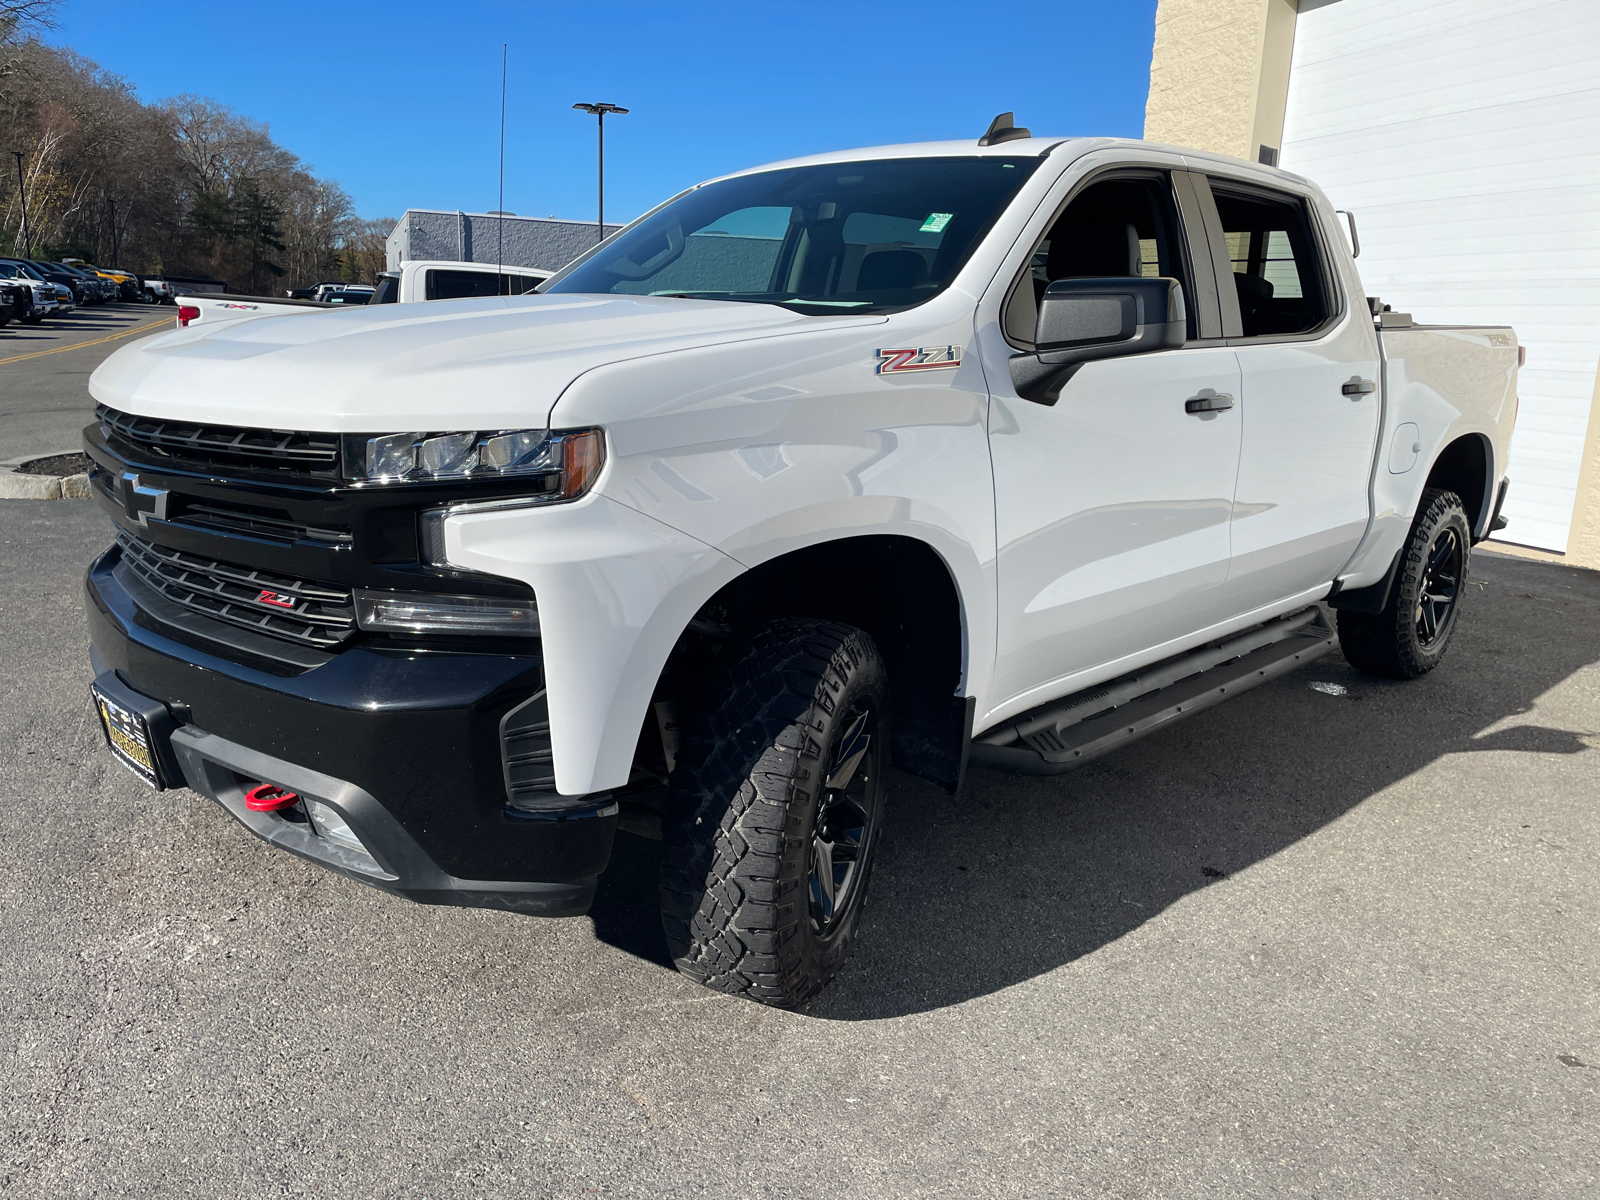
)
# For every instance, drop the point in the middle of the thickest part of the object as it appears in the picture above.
(1069, 732)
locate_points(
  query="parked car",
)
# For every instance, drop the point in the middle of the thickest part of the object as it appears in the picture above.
(167, 288)
(49, 299)
(78, 287)
(351, 293)
(311, 293)
(95, 289)
(16, 301)
(1000, 454)
(127, 283)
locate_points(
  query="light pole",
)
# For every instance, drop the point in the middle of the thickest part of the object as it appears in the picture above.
(600, 111)
(23, 189)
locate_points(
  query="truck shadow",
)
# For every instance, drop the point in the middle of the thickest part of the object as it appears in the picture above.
(1018, 876)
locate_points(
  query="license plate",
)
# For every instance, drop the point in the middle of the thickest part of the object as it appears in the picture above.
(128, 735)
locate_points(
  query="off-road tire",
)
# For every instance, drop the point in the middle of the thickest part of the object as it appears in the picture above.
(1389, 644)
(752, 766)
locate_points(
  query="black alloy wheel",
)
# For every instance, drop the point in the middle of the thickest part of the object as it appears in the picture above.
(1441, 588)
(847, 818)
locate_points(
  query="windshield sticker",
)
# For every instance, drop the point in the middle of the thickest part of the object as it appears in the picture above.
(923, 358)
(936, 222)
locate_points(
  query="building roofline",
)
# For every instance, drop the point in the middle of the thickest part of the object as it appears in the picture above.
(451, 212)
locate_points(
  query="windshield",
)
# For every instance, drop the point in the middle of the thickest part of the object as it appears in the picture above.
(841, 237)
(20, 270)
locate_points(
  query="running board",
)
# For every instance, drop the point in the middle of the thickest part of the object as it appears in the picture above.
(1077, 729)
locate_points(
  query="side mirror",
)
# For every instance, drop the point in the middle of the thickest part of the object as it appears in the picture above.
(1081, 320)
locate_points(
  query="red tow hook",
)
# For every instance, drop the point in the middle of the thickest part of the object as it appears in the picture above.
(269, 797)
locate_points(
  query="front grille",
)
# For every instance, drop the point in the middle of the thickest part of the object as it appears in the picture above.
(312, 614)
(183, 443)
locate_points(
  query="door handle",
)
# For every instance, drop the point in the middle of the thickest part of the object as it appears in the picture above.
(1208, 401)
(1357, 388)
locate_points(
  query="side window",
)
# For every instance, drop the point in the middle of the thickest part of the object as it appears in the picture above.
(1277, 271)
(1114, 228)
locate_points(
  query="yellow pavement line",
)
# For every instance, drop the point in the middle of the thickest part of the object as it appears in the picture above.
(80, 345)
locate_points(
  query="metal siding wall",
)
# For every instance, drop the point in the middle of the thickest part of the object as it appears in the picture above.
(1465, 134)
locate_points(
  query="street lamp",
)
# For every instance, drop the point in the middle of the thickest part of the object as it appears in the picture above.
(600, 111)
(22, 187)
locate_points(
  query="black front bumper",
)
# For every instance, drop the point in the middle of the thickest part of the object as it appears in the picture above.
(403, 743)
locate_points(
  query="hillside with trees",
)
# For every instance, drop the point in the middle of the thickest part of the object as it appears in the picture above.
(184, 186)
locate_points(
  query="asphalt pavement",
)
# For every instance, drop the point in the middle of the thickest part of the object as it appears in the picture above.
(45, 368)
(1305, 944)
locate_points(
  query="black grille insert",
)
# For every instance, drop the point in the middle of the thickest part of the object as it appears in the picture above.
(311, 614)
(266, 524)
(185, 443)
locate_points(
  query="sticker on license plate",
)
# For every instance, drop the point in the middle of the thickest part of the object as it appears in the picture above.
(128, 735)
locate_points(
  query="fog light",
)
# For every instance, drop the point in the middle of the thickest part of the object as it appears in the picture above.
(430, 612)
(332, 826)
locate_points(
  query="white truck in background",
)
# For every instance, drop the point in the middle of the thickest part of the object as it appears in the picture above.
(1000, 454)
(414, 281)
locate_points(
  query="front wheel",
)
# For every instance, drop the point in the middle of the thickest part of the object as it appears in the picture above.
(1409, 637)
(776, 806)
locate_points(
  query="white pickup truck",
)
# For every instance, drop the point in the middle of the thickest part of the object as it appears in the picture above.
(932, 455)
(421, 280)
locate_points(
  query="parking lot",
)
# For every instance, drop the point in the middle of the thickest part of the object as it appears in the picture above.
(1313, 943)
(45, 368)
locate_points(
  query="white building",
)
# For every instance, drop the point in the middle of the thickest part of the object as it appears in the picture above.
(1465, 135)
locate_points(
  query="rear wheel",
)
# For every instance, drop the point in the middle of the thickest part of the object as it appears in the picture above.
(1410, 636)
(777, 802)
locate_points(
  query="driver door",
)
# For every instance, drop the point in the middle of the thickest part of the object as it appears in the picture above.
(1112, 505)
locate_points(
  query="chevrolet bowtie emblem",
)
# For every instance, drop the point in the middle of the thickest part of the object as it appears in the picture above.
(141, 503)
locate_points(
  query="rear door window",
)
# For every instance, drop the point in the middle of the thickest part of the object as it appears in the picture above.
(1277, 270)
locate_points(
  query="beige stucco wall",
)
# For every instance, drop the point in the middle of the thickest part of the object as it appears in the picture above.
(1219, 74)
(1583, 542)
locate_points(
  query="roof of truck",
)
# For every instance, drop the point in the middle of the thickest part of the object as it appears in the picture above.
(1030, 147)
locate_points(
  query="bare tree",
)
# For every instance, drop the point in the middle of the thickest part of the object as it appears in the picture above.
(186, 186)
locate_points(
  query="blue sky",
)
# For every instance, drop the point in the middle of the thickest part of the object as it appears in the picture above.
(400, 101)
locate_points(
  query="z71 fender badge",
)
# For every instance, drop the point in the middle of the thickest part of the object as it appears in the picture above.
(923, 358)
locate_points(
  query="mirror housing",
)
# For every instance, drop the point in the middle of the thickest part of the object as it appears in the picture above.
(1081, 320)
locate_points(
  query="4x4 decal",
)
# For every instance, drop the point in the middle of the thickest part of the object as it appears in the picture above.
(918, 358)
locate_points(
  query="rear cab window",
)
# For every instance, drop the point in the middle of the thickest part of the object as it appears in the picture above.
(448, 284)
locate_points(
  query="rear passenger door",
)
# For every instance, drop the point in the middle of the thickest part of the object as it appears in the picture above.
(1302, 501)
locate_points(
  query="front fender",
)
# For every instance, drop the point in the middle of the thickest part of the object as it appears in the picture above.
(615, 588)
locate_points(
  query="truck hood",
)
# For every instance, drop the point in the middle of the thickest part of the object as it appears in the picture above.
(492, 363)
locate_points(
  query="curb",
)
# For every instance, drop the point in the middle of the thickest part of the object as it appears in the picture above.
(16, 486)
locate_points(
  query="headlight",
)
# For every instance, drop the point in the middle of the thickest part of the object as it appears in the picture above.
(562, 463)
(430, 612)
